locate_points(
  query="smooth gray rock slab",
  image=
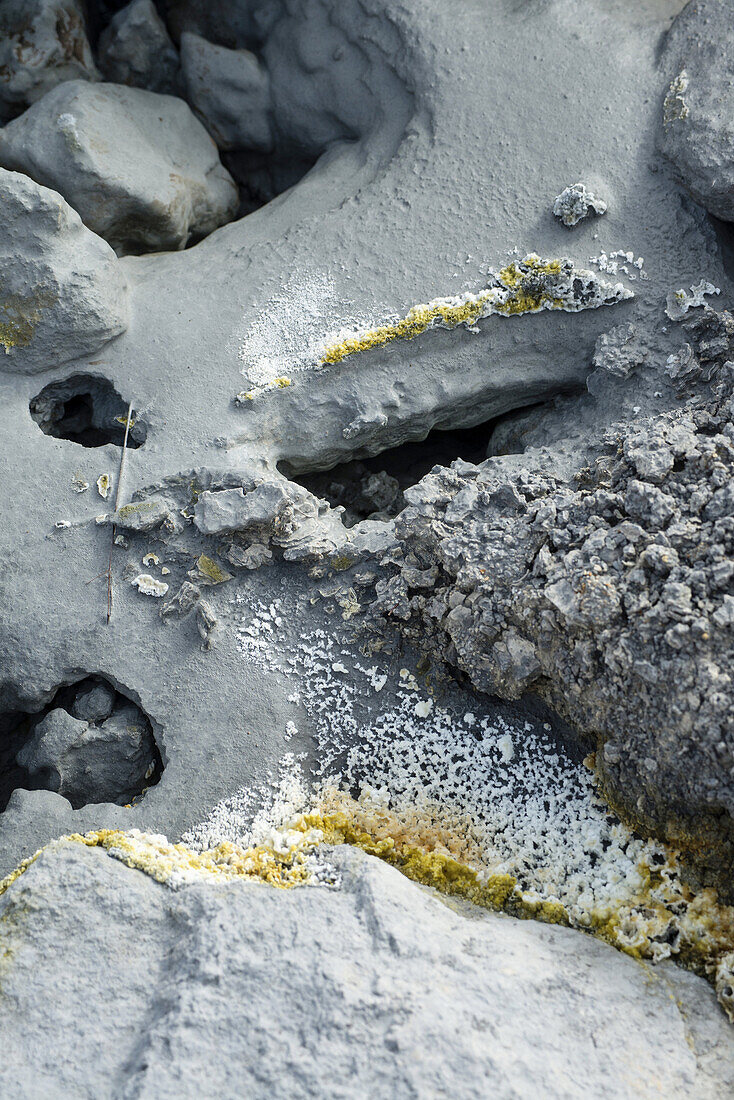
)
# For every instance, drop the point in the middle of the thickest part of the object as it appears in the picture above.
(42, 43)
(139, 167)
(62, 291)
(114, 985)
(697, 132)
(230, 91)
(136, 49)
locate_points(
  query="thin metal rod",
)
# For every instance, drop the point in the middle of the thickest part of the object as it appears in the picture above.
(118, 492)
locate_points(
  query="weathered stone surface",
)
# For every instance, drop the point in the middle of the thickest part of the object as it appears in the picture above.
(42, 44)
(138, 167)
(697, 133)
(136, 49)
(371, 988)
(62, 292)
(230, 92)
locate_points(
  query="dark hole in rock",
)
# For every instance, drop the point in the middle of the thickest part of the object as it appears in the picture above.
(85, 409)
(261, 177)
(372, 488)
(91, 744)
(725, 238)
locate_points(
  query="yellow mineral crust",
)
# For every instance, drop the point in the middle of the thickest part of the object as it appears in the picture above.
(659, 918)
(526, 286)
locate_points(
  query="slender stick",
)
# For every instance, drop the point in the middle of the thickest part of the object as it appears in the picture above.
(118, 492)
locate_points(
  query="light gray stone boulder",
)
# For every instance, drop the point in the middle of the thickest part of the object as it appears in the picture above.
(136, 49)
(375, 988)
(88, 763)
(698, 110)
(62, 290)
(42, 43)
(139, 168)
(230, 91)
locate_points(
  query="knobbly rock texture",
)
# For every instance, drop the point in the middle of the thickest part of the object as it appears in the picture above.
(136, 49)
(42, 44)
(610, 595)
(138, 167)
(374, 985)
(696, 129)
(63, 293)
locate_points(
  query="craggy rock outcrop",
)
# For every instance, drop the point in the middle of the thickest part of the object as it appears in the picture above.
(370, 987)
(612, 596)
(63, 292)
(697, 132)
(42, 44)
(138, 167)
(136, 49)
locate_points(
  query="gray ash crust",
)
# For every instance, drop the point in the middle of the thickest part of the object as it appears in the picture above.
(609, 593)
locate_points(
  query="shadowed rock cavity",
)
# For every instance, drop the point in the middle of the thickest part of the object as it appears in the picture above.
(372, 488)
(85, 409)
(90, 744)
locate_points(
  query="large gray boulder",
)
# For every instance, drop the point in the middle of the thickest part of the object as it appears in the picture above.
(230, 91)
(139, 168)
(42, 43)
(136, 49)
(85, 762)
(373, 988)
(62, 291)
(698, 110)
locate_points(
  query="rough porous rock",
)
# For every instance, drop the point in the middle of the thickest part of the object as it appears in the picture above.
(62, 290)
(42, 44)
(230, 92)
(106, 760)
(611, 595)
(136, 49)
(697, 132)
(139, 168)
(374, 987)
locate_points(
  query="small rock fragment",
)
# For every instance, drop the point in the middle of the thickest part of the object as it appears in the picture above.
(78, 484)
(103, 485)
(149, 586)
(575, 203)
(206, 623)
(182, 602)
(94, 703)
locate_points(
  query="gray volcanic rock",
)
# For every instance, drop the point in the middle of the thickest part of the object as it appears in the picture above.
(138, 167)
(86, 762)
(62, 291)
(609, 594)
(136, 49)
(698, 111)
(42, 44)
(230, 92)
(375, 987)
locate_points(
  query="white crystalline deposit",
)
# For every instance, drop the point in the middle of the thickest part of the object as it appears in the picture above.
(149, 586)
(679, 302)
(576, 203)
